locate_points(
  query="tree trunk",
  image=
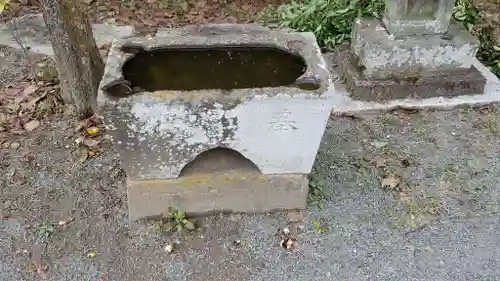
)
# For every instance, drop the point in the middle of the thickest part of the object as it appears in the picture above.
(77, 57)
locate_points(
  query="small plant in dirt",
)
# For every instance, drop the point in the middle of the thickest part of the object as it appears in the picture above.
(330, 20)
(177, 221)
(320, 226)
(317, 195)
(43, 231)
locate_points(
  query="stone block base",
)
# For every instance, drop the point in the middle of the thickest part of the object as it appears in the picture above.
(202, 194)
(382, 54)
(427, 84)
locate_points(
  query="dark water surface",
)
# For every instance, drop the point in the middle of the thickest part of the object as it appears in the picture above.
(213, 68)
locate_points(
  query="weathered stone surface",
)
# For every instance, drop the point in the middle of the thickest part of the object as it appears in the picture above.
(278, 129)
(426, 84)
(212, 29)
(377, 66)
(33, 33)
(217, 192)
(381, 54)
(418, 17)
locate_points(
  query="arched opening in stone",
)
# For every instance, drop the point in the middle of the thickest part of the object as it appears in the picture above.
(219, 159)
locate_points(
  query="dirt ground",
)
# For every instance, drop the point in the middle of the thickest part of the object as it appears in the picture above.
(165, 13)
(440, 221)
(490, 10)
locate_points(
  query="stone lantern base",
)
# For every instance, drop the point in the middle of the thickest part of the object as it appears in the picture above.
(378, 66)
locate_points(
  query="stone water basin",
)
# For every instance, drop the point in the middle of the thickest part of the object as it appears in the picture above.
(216, 118)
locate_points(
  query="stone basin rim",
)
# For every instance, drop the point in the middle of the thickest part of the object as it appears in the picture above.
(307, 50)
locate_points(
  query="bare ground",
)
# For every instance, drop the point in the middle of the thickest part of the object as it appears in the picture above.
(439, 223)
(490, 10)
(164, 13)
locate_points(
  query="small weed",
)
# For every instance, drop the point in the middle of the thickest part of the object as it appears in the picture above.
(43, 231)
(178, 221)
(317, 194)
(320, 227)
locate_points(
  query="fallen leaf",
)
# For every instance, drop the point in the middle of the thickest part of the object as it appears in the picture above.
(379, 144)
(83, 153)
(92, 254)
(286, 231)
(93, 131)
(288, 243)
(15, 145)
(31, 125)
(169, 248)
(390, 181)
(79, 140)
(64, 222)
(31, 89)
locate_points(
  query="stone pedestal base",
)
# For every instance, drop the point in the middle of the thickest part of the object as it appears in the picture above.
(428, 84)
(378, 66)
(203, 194)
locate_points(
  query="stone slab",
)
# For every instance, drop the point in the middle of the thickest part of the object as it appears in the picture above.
(212, 29)
(345, 104)
(381, 54)
(33, 33)
(426, 84)
(204, 194)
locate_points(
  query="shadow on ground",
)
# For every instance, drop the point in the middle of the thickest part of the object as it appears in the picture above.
(435, 219)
